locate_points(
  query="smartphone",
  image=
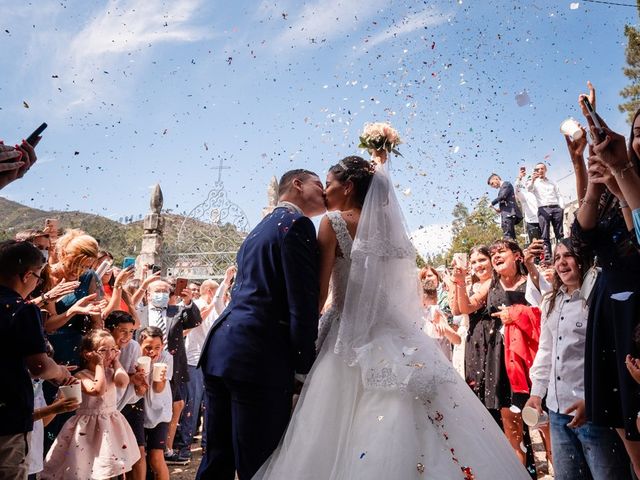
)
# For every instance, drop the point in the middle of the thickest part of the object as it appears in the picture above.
(51, 226)
(128, 262)
(102, 269)
(31, 139)
(181, 284)
(461, 260)
(155, 268)
(594, 118)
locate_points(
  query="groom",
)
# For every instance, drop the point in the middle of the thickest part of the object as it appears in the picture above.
(265, 336)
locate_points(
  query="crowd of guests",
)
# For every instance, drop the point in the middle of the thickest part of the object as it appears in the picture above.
(553, 337)
(119, 351)
(100, 364)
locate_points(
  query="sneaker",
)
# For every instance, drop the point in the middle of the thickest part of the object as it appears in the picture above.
(185, 456)
(174, 459)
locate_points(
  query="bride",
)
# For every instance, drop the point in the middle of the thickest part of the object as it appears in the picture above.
(381, 401)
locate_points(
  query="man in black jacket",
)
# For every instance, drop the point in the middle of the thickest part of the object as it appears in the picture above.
(508, 208)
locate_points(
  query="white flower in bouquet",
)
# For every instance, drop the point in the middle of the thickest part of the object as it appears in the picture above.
(380, 136)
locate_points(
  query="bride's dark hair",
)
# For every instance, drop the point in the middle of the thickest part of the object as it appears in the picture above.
(356, 170)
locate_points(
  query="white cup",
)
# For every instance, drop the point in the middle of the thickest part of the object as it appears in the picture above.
(532, 418)
(158, 369)
(71, 391)
(144, 363)
(571, 128)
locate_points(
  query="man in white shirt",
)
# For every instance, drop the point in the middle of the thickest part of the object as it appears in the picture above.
(529, 206)
(550, 206)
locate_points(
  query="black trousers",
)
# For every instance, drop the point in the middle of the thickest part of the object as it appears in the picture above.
(551, 215)
(244, 425)
(508, 224)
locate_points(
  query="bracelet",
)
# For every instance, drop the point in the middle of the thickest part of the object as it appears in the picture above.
(620, 172)
(623, 204)
(45, 299)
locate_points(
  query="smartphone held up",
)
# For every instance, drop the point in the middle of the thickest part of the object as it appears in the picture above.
(33, 138)
(594, 118)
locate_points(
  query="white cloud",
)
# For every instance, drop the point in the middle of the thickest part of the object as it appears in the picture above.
(325, 19)
(432, 239)
(126, 25)
(427, 18)
(123, 27)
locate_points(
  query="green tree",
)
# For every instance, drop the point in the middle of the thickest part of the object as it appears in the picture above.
(631, 92)
(477, 228)
(460, 214)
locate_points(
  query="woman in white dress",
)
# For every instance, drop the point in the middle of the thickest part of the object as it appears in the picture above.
(381, 401)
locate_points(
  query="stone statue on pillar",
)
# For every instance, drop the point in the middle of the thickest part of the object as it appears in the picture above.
(272, 197)
(152, 239)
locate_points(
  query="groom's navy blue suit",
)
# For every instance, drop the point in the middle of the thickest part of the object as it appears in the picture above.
(265, 335)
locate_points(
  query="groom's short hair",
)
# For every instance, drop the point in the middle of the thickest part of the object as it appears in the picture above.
(287, 179)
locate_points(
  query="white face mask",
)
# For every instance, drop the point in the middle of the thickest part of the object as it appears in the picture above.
(160, 299)
(45, 254)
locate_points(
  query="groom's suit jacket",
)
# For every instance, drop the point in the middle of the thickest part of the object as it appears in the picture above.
(267, 332)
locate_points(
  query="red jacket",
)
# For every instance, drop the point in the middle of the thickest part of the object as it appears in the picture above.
(521, 339)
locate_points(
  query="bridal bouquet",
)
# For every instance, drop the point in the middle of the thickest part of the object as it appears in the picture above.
(380, 136)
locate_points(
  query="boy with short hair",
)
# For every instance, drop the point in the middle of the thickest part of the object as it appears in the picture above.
(22, 353)
(157, 400)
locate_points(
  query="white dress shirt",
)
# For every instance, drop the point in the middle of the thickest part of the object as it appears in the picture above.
(546, 192)
(527, 201)
(194, 341)
(558, 368)
(157, 317)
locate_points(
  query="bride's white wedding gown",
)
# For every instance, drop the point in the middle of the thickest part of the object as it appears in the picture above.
(393, 410)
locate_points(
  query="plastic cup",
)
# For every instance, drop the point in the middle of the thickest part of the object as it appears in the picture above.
(71, 391)
(144, 363)
(158, 369)
(533, 419)
(571, 128)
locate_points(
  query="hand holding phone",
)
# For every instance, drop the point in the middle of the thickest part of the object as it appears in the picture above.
(181, 285)
(51, 227)
(595, 120)
(33, 138)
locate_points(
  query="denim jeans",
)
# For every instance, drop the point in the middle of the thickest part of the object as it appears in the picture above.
(586, 452)
(194, 393)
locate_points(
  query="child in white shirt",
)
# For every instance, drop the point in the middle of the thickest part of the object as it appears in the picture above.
(157, 400)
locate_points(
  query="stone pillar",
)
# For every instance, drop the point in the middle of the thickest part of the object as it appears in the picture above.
(272, 197)
(152, 239)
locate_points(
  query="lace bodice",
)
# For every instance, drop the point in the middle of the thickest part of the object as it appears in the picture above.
(340, 272)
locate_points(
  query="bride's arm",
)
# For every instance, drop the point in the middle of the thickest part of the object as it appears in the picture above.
(327, 242)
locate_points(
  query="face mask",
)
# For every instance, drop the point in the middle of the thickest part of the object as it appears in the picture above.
(45, 254)
(160, 299)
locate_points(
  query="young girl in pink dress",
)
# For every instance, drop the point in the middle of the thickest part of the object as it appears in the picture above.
(97, 443)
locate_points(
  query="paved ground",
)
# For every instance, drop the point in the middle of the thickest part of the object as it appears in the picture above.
(189, 472)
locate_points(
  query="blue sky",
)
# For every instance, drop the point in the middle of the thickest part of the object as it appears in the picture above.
(150, 91)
